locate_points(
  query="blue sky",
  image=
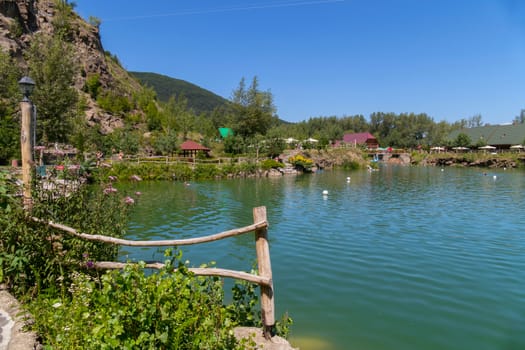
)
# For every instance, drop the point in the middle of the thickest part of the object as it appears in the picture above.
(451, 59)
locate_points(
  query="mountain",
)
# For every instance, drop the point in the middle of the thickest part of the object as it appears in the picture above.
(199, 99)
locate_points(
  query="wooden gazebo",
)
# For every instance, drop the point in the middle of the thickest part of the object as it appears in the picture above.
(191, 149)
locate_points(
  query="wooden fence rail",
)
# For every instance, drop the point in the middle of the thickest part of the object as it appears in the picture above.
(181, 160)
(262, 248)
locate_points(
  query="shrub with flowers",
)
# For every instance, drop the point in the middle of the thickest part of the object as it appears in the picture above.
(33, 255)
(300, 162)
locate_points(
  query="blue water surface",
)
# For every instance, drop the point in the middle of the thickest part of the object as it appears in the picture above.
(400, 258)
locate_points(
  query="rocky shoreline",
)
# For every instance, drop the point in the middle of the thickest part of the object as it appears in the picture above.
(488, 162)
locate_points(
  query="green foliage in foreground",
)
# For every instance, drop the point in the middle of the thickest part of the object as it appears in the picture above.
(78, 307)
(131, 310)
(33, 256)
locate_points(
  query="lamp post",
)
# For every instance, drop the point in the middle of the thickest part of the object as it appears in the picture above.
(26, 141)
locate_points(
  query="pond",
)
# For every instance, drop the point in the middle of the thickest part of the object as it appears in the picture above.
(400, 258)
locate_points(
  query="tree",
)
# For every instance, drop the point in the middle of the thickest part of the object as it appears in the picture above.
(475, 121)
(204, 126)
(381, 125)
(275, 146)
(165, 144)
(186, 122)
(253, 111)
(438, 134)
(176, 116)
(234, 144)
(406, 130)
(52, 67)
(520, 119)
(62, 20)
(9, 94)
(462, 140)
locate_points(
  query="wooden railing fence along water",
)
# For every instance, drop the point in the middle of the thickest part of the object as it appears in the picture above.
(181, 160)
(262, 248)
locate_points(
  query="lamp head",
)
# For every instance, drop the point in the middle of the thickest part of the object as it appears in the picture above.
(26, 85)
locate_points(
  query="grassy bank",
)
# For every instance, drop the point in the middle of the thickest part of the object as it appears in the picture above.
(233, 168)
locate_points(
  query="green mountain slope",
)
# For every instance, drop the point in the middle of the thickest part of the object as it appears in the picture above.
(199, 99)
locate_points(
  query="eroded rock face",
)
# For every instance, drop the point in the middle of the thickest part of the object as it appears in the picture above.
(23, 12)
(21, 20)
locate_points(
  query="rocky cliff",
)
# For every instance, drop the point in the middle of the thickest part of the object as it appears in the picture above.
(21, 20)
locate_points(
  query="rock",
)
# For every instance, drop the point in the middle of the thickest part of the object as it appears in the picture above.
(274, 173)
(256, 335)
(20, 20)
(19, 338)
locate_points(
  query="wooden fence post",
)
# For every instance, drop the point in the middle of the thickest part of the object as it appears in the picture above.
(265, 269)
(26, 143)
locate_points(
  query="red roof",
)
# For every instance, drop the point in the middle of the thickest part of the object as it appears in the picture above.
(192, 146)
(359, 138)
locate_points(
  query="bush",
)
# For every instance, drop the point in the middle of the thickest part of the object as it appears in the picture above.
(206, 171)
(132, 310)
(113, 102)
(33, 256)
(268, 164)
(300, 162)
(93, 85)
(178, 171)
(350, 164)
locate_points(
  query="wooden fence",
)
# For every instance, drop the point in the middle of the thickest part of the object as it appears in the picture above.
(181, 160)
(262, 248)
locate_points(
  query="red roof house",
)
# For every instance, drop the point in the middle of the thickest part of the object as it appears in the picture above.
(361, 139)
(191, 148)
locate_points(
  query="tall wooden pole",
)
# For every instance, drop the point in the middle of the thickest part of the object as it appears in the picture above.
(265, 269)
(26, 144)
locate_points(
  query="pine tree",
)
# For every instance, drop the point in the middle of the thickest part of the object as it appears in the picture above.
(253, 110)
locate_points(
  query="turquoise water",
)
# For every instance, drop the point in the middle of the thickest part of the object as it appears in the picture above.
(401, 258)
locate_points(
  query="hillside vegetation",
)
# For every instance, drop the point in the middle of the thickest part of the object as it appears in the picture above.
(199, 99)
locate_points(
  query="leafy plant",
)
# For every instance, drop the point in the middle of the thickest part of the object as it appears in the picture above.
(462, 140)
(9, 96)
(130, 309)
(350, 165)
(33, 256)
(53, 68)
(268, 164)
(114, 102)
(93, 85)
(301, 162)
